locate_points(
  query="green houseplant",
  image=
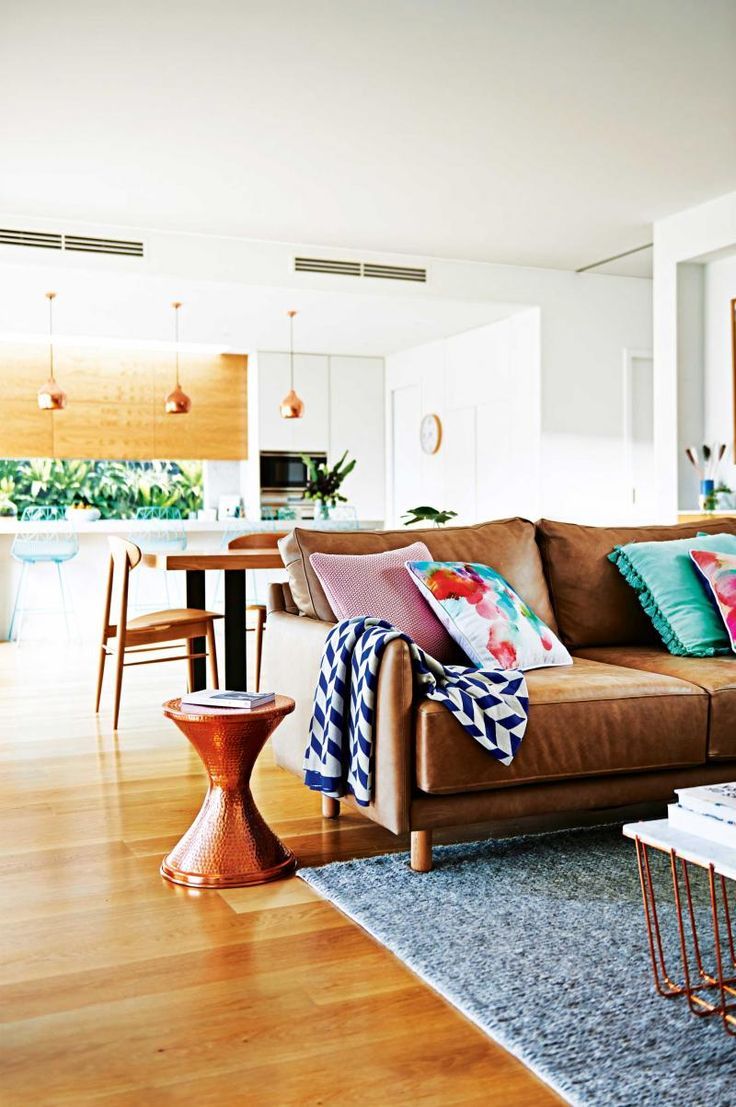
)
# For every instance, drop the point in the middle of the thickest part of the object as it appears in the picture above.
(427, 515)
(116, 488)
(324, 482)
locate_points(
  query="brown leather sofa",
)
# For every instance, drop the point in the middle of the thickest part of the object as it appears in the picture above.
(625, 724)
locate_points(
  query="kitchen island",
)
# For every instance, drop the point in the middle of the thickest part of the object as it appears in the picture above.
(85, 574)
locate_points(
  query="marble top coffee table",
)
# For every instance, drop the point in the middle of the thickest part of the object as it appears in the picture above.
(707, 960)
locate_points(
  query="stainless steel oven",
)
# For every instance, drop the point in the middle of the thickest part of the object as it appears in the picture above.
(284, 473)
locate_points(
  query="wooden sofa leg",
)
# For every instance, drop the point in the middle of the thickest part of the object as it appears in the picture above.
(330, 808)
(421, 851)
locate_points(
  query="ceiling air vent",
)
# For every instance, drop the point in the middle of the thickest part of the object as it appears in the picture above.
(395, 272)
(327, 265)
(360, 269)
(30, 238)
(84, 244)
(72, 242)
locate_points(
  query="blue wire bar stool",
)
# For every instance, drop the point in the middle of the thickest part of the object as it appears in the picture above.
(47, 539)
(148, 633)
(164, 533)
(265, 540)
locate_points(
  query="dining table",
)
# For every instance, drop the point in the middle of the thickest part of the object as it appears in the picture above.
(234, 564)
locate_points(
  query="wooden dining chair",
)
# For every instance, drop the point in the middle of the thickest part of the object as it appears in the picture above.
(257, 540)
(148, 633)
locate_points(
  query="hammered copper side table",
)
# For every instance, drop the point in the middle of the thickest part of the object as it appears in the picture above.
(229, 844)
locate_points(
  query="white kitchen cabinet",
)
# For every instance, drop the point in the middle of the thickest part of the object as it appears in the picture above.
(357, 417)
(343, 410)
(311, 381)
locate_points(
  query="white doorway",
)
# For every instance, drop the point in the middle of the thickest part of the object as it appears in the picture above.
(640, 472)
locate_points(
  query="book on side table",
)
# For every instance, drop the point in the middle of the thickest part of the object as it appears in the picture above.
(707, 812)
(219, 699)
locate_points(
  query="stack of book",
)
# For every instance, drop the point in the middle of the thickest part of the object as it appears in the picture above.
(707, 812)
(218, 700)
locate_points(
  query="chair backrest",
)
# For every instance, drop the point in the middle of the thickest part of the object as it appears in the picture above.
(124, 556)
(165, 532)
(258, 540)
(47, 535)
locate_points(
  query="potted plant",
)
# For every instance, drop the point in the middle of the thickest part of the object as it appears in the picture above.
(427, 515)
(324, 482)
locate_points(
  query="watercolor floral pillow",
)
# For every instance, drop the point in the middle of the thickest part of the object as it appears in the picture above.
(486, 617)
(719, 572)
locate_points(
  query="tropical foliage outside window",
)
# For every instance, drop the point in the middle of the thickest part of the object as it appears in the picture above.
(116, 488)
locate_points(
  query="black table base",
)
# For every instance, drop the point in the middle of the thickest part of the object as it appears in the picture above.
(236, 679)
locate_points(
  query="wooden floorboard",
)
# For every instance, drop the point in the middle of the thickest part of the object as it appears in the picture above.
(117, 988)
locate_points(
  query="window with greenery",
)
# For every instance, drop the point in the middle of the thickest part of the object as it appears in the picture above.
(116, 488)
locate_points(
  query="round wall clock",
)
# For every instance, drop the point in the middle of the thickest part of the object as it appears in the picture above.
(430, 433)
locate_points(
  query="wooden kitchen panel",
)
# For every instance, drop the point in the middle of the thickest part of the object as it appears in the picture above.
(116, 405)
(24, 370)
(24, 430)
(109, 377)
(210, 431)
(122, 432)
(221, 375)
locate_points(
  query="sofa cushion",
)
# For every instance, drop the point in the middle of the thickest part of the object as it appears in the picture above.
(378, 584)
(594, 606)
(671, 592)
(588, 719)
(716, 675)
(509, 545)
(718, 570)
(486, 617)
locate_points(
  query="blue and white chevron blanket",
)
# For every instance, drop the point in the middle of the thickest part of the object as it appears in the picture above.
(490, 704)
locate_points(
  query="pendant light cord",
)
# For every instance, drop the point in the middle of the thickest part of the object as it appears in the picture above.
(50, 296)
(291, 348)
(176, 340)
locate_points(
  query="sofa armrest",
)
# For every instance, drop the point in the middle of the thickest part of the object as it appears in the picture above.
(281, 599)
(292, 652)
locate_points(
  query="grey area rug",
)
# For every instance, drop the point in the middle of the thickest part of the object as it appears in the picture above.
(540, 941)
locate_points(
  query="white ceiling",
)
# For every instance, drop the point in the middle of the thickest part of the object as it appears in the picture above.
(536, 132)
(242, 317)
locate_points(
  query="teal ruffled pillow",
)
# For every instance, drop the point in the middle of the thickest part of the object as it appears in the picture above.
(672, 594)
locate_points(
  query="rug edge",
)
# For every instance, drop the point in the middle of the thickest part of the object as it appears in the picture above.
(308, 876)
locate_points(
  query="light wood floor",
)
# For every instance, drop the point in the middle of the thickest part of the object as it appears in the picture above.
(120, 989)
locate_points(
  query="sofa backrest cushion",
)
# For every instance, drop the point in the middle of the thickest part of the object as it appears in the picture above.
(507, 545)
(593, 604)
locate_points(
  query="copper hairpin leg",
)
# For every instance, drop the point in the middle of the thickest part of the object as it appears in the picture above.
(706, 982)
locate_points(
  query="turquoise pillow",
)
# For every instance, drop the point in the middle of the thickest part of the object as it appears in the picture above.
(672, 594)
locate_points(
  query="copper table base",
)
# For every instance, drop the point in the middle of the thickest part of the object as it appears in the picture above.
(709, 991)
(229, 844)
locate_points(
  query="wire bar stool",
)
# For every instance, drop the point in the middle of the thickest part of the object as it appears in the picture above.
(46, 538)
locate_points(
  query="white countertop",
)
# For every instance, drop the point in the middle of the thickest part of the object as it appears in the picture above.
(191, 526)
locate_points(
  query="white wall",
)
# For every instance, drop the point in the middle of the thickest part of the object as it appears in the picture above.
(694, 236)
(719, 289)
(587, 320)
(690, 381)
(484, 385)
(546, 387)
(343, 410)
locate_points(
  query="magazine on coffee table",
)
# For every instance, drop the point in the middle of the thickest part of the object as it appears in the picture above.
(221, 698)
(717, 801)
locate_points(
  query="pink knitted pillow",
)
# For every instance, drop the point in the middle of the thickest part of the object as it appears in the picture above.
(378, 584)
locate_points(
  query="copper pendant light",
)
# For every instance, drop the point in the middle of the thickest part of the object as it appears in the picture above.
(291, 407)
(177, 401)
(50, 396)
